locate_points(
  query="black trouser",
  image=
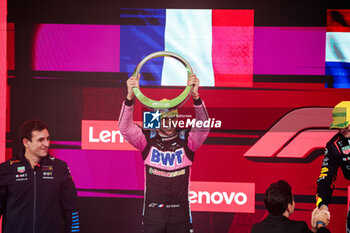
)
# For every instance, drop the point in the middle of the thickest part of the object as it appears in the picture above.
(157, 227)
(163, 218)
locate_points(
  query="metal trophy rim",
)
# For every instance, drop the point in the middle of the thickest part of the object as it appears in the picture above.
(167, 104)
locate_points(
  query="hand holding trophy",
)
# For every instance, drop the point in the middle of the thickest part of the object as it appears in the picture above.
(168, 104)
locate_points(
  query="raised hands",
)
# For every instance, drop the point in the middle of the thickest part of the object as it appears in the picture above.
(131, 83)
(193, 80)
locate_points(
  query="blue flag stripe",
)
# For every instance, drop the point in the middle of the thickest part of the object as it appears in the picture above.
(138, 41)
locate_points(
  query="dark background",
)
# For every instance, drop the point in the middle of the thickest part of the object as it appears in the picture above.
(60, 102)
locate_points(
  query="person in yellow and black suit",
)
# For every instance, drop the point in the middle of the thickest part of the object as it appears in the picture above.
(337, 154)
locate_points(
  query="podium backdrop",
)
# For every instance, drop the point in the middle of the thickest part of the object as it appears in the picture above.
(270, 73)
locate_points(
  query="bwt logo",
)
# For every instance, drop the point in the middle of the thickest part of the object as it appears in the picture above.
(151, 120)
(103, 135)
(167, 158)
(222, 197)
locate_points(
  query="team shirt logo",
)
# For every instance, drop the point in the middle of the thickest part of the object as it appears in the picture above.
(346, 149)
(22, 176)
(47, 172)
(21, 169)
(167, 158)
(167, 174)
(14, 161)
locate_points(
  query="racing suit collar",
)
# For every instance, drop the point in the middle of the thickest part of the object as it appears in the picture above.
(344, 139)
(168, 137)
(42, 161)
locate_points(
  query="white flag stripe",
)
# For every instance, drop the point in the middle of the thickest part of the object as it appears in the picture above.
(189, 34)
(338, 46)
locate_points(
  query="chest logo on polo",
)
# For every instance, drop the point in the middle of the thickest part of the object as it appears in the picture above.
(167, 158)
(346, 149)
(47, 172)
(47, 168)
(21, 169)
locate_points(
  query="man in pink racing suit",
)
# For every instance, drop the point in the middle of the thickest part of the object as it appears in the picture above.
(168, 154)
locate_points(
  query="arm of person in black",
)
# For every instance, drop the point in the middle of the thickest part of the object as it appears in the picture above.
(305, 227)
(69, 203)
(328, 175)
(2, 189)
(318, 230)
(2, 200)
(323, 230)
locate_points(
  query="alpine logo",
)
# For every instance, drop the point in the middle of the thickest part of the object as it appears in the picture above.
(167, 158)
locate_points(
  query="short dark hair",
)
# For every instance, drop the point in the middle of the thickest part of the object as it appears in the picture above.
(29, 126)
(277, 197)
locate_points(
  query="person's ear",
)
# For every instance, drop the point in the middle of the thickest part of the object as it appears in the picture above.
(291, 207)
(25, 142)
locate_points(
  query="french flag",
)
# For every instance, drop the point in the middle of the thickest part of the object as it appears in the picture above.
(218, 44)
(338, 47)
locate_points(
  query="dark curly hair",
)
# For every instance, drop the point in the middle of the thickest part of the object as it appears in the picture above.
(277, 197)
(29, 126)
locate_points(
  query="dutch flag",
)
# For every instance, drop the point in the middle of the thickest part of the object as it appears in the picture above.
(338, 47)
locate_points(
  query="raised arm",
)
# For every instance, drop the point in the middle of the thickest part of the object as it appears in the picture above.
(2, 189)
(130, 131)
(197, 135)
(328, 175)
